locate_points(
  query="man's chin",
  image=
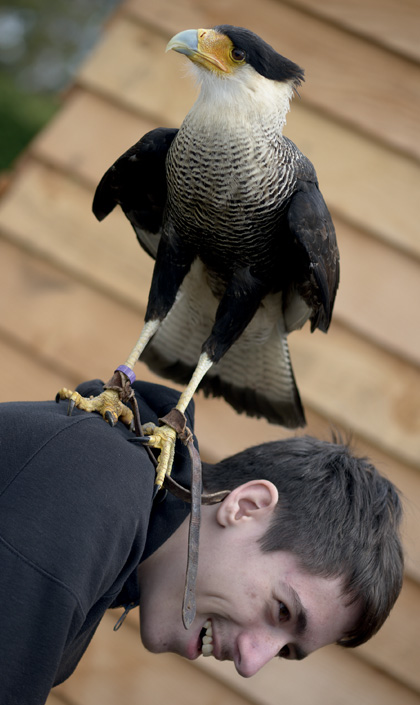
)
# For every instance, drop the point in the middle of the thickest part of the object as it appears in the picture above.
(152, 642)
(160, 645)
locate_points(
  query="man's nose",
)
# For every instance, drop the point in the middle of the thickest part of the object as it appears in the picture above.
(255, 649)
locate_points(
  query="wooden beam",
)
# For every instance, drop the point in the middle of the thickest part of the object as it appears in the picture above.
(391, 23)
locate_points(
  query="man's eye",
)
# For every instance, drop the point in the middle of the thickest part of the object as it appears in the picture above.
(284, 613)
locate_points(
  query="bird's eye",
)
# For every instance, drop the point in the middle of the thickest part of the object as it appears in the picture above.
(238, 55)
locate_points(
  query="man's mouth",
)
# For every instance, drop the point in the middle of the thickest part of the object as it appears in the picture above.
(206, 637)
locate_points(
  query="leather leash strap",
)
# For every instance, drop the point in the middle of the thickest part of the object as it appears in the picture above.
(176, 420)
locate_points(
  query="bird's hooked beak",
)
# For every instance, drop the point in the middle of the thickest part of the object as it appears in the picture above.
(205, 47)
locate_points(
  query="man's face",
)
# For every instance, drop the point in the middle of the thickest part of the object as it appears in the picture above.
(260, 605)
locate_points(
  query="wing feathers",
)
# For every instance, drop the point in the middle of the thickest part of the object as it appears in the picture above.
(137, 182)
(311, 225)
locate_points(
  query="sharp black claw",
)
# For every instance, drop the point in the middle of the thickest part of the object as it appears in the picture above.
(109, 417)
(70, 407)
(139, 439)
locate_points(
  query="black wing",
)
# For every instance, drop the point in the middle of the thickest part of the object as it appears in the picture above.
(137, 182)
(312, 228)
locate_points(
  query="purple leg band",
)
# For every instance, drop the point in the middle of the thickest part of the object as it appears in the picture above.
(130, 374)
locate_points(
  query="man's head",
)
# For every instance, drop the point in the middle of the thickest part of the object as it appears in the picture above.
(286, 562)
(336, 513)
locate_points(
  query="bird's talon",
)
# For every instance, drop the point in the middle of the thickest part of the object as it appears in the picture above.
(108, 404)
(163, 439)
(109, 416)
(159, 480)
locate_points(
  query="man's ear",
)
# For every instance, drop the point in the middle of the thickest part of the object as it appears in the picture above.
(253, 500)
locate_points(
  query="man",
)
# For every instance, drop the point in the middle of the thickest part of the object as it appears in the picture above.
(304, 551)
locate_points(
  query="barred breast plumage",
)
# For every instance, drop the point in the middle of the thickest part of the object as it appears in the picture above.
(227, 192)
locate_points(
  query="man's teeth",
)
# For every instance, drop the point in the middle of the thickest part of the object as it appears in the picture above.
(207, 639)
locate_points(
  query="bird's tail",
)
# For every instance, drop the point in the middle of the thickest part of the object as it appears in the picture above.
(259, 381)
(255, 376)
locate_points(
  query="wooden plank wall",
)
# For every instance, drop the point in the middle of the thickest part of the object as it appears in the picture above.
(74, 293)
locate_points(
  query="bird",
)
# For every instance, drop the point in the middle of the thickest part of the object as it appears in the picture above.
(244, 245)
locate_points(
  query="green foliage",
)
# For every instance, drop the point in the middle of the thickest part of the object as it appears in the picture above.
(21, 116)
(42, 42)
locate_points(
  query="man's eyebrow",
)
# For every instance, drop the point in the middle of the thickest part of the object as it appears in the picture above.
(300, 612)
(301, 619)
(301, 623)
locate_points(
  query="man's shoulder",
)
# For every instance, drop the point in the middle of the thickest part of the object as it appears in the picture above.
(75, 496)
(76, 478)
(29, 428)
(39, 439)
(26, 427)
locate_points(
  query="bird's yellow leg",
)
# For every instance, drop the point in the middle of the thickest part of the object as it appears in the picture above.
(149, 329)
(203, 366)
(164, 437)
(109, 403)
